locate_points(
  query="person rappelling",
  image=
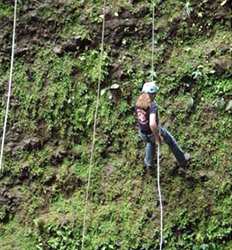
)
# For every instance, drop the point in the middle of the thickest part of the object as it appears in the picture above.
(150, 130)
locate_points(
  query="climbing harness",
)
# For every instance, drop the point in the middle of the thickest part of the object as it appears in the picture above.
(158, 147)
(94, 128)
(9, 87)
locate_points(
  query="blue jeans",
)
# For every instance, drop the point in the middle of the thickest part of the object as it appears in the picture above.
(168, 139)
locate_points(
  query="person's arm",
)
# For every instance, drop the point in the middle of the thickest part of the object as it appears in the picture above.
(154, 127)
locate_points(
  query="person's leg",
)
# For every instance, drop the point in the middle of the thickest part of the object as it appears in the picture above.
(149, 155)
(176, 150)
(149, 150)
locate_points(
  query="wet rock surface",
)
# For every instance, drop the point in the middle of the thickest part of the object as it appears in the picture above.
(76, 44)
(9, 203)
(223, 65)
(27, 143)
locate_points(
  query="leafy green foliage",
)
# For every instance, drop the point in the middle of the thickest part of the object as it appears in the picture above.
(54, 98)
(61, 237)
(5, 10)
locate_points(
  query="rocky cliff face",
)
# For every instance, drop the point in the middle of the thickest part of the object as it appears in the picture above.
(42, 190)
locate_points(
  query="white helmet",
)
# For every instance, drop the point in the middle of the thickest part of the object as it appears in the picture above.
(150, 88)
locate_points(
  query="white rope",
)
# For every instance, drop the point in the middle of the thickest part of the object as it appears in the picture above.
(160, 196)
(158, 147)
(9, 86)
(94, 128)
(153, 40)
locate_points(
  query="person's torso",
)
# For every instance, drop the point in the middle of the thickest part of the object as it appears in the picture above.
(144, 115)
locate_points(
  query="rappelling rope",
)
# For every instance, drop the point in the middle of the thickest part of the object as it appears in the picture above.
(160, 196)
(158, 146)
(153, 41)
(9, 86)
(94, 128)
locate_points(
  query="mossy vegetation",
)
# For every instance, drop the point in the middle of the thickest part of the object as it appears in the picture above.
(5, 10)
(42, 190)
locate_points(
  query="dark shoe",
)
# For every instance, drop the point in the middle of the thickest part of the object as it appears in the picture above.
(149, 170)
(181, 171)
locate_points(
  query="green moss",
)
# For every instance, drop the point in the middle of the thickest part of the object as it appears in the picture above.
(54, 99)
(16, 236)
(5, 10)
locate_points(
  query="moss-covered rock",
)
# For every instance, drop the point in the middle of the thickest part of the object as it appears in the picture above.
(42, 189)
